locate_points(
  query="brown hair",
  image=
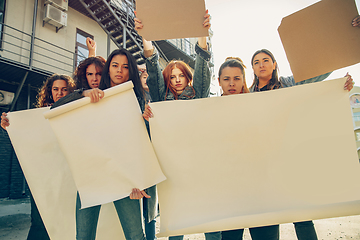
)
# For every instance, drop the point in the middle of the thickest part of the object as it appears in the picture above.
(274, 82)
(185, 69)
(44, 97)
(238, 63)
(80, 72)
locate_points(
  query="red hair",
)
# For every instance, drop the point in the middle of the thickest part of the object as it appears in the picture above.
(184, 68)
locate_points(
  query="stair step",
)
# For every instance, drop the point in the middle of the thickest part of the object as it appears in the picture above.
(112, 19)
(93, 3)
(105, 16)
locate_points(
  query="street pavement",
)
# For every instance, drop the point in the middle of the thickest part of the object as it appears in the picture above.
(15, 224)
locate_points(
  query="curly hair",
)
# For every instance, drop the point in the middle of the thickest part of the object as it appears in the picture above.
(80, 72)
(185, 69)
(44, 97)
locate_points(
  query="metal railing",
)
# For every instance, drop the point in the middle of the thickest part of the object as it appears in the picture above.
(125, 9)
(16, 47)
(185, 45)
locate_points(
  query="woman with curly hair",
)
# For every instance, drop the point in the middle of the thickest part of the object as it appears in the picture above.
(54, 88)
(88, 74)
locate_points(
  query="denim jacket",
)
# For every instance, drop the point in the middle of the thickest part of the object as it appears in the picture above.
(290, 81)
(201, 78)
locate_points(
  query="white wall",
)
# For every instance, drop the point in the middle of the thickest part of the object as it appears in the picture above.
(19, 14)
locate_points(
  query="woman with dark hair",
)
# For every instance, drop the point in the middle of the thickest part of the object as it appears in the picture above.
(88, 74)
(266, 78)
(266, 74)
(54, 88)
(143, 77)
(119, 68)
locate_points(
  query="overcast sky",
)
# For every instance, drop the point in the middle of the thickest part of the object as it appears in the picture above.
(243, 27)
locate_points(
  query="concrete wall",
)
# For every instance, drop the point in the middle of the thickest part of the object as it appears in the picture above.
(19, 14)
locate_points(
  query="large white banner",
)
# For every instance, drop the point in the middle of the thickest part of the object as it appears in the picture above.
(49, 178)
(106, 145)
(256, 159)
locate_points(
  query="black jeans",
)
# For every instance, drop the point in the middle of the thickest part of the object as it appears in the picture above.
(37, 229)
(257, 233)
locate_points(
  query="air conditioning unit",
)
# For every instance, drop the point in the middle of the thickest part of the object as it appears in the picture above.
(54, 16)
(61, 4)
(6, 98)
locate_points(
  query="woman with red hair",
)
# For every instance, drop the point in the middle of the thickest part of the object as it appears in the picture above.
(176, 81)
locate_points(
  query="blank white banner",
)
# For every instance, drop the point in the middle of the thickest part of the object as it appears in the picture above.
(106, 145)
(256, 159)
(49, 178)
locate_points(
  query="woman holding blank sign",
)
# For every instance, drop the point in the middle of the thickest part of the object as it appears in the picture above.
(232, 81)
(266, 74)
(55, 87)
(177, 82)
(266, 78)
(119, 68)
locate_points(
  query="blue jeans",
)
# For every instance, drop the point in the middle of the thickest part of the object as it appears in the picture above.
(129, 214)
(208, 236)
(257, 233)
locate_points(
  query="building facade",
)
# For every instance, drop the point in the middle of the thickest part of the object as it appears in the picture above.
(42, 37)
(354, 97)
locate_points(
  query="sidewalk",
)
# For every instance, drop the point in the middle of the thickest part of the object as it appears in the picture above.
(15, 223)
(14, 218)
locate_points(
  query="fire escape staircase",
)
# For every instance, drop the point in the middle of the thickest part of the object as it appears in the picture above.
(118, 24)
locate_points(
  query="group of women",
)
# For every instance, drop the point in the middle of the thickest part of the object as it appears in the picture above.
(176, 81)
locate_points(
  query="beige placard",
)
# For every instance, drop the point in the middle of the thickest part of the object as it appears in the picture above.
(106, 145)
(169, 19)
(49, 178)
(320, 38)
(256, 159)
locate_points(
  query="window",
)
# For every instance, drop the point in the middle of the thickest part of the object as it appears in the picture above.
(186, 46)
(358, 136)
(81, 49)
(356, 116)
(2, 13)
(128, 6)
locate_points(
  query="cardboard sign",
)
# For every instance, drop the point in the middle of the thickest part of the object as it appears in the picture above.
(169, 19)
(320, 38)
